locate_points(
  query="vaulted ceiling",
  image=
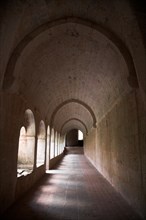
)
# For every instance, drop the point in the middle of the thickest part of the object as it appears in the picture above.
(72, 70)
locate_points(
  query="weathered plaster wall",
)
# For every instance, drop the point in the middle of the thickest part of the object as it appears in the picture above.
(117, 148)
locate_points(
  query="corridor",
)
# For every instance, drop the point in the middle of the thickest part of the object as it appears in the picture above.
(70, 68)
(75, 190)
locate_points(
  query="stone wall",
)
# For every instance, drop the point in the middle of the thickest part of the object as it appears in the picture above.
(12, 110)
(11, 116)
(24, 183)
(117, 149)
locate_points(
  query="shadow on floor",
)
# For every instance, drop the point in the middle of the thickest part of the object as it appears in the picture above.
(73, 190)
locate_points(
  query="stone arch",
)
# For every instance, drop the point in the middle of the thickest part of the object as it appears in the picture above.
(76, 119)
(26, 148)
(48, 130)
(56, 144)
(48, 147)
(9, 77)
(29, 122)
(75, 101)
(69, 128)
(41, 144)
(52, 143)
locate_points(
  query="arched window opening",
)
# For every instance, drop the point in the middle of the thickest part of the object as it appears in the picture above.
(52, 149)
(80, 135)
(48, 148)
(62, 143)
(41, 144)
(25, 161)
(63, 146)
(80, 138)
(56, 144)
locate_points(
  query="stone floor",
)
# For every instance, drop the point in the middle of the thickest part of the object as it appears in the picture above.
(72, 191)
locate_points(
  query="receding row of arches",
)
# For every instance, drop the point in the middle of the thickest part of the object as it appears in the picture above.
(37, 148)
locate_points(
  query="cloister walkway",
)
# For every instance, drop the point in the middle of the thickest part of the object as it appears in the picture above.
(73, 191)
